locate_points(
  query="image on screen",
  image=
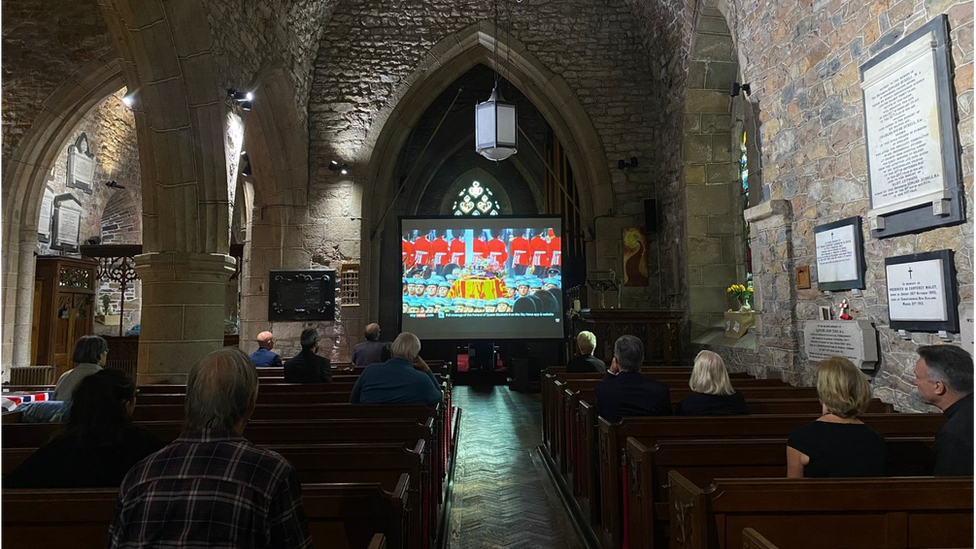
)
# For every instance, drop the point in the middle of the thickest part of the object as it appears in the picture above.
(482, 278)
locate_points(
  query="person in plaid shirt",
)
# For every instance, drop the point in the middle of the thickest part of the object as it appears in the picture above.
(211, 487)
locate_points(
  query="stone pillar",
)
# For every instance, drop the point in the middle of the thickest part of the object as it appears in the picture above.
(183, 298)
(771, 236)
(18, 299)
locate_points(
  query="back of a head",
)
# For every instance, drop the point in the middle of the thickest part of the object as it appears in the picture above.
(98, 415)
(405, 346)
(629, 352)
(586, 342)
(265, 340)
(372, 332)
(950, 364)
(88, 349)
(709, 375)
(842, 388)
(310, 336)
(386, 353)
(220, 390)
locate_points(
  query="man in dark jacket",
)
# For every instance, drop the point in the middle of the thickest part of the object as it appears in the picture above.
(944, 377)
(307, 366)
(586, 362)
(624, 392)
(368, 352)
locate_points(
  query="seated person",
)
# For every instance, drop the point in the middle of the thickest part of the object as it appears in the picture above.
(624, 392)
(89, 356)
(404, 379)
(586, 362)
(713, 393)
(944, 377)
(264, 357)
(837, 444)
(99, 444)
(368, 352)
(307, 366)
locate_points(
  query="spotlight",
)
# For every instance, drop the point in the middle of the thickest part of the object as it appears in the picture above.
(624, 163)
(243, 153)
(736, 87)
(246, 106)
(246, 172)
(127, 100)
(337, 167)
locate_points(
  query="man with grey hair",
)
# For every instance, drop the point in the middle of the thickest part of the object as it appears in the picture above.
(944, 377)
(368, 352)
(624, 392)
(586, 362)
(308, 366)
(211, 487)
(404, 379)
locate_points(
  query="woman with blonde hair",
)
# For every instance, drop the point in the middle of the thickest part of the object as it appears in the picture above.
(713, 393)
(837, 444)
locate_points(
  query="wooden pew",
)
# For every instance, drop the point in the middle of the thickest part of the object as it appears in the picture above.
(701, 461)
(752, 539)
(343, 516)
(613, 437)
(818, 513)
(267, 412)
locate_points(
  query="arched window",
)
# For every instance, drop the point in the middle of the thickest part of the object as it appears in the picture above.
(475, 200)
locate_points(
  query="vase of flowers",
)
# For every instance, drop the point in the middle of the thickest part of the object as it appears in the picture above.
(742, 294)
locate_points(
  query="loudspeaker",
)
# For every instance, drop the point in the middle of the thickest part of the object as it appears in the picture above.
(650, 216)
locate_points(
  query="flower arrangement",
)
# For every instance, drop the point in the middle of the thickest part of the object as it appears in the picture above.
(742, 294)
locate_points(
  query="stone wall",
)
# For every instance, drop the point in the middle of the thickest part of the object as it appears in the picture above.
(802, 61)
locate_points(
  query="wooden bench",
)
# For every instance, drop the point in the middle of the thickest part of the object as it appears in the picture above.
(818, 513)
(701, 461)
(752, 539)
(343, 516)
(613, 437)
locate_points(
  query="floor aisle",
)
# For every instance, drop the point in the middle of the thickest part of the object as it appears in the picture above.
(502, 497)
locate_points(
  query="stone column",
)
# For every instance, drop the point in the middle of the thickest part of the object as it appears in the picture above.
(771, 236)
(183, 298)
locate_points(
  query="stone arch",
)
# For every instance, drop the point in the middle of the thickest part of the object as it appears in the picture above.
(477, 174)
(23, 184)
(714, 223)
(450, 58)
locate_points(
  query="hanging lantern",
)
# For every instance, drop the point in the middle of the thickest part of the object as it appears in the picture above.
(495, 127)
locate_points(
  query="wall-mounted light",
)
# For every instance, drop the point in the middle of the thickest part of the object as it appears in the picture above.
(623, 163)
(239, 96)
(246, 172)
(127, 100)
(341, 168)
(113, 184)
(736, 87)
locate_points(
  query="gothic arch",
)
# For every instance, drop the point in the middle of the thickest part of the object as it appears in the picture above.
(464, 180)
(23, 184)
(448, 60)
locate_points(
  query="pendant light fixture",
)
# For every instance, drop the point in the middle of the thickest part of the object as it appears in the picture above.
(496, 120)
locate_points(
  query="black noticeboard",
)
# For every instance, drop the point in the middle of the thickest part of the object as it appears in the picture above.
(302, 295)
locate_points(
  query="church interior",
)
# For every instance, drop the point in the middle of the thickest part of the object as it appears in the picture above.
(775, 182)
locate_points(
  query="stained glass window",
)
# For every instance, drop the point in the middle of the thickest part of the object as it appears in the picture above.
(475, 200)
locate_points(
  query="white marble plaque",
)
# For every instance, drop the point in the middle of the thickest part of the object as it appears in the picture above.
(855, 340)
(836, 255)
(81, 165)
(67, 222)
(47, 212)
(966, 326)
(901, 114)
(916, 291)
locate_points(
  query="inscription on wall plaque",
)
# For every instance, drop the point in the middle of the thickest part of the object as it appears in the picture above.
(67, 222)
(913, 161)
(855, 340)
(921, 292)
(840, 255)
(302, 295)
(81, 165)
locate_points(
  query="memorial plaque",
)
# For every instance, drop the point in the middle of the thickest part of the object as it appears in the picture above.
(967, 327)
(840, 255)
(909, 121)
(81, 165)
(921, 292)
(302, 295)
(67, 222)
(47, 213)
(855, 340)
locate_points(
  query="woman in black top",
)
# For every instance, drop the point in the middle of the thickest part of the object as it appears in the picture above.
(99, 444)
(837, 444)
(713, 393)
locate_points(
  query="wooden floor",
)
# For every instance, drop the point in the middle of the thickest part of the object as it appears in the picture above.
(502, 496)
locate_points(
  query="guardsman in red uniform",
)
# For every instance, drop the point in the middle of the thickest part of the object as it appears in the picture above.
(406, 253)
(519, 248)
(497, 251)
(456, 249)
(421, 251)
(439, 252)
(539, 248)
(480, 246)
(555, 250)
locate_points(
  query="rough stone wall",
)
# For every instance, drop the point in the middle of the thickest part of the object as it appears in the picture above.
(802, 59)
(249, 36)
(370, 46)
(44, 43)
(110, 128)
